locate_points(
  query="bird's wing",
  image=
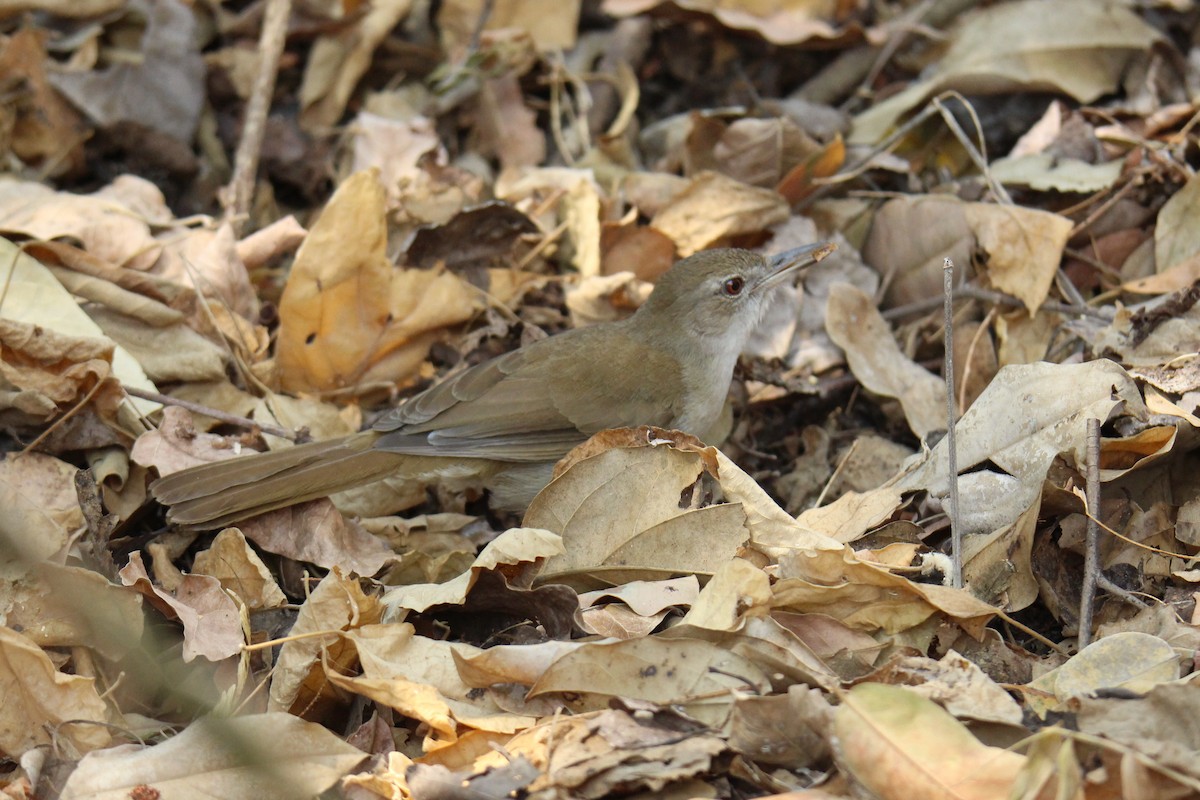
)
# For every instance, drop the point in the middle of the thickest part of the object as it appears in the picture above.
(528, 405)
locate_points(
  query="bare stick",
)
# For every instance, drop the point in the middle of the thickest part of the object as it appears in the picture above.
(237, 196)
(1091, 555)
(991, 296)
(196, 408)
(956, 545)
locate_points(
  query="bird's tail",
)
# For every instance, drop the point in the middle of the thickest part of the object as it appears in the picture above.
(217, 494)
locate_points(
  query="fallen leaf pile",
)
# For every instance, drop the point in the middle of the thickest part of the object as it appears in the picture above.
(228, 227)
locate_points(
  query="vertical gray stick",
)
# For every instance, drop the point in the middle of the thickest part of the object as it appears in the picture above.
(1091, 555)
(956, 545)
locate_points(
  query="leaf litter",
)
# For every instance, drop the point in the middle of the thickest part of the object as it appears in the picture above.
(770, 614)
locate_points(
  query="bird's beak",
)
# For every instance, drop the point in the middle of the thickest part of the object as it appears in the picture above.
(786, 264)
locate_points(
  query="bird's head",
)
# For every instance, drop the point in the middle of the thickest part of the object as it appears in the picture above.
(720, 295)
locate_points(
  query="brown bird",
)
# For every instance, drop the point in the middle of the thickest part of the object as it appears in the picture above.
(507, 421)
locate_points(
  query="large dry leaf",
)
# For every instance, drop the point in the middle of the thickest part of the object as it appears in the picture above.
(1078, 47)
(1027, 416)
(416, 676)
(57, 606)
(1024, 247)
(900, 746)
(690, 672)
(46, 132)
(336, 604)
(334, 307)
(611, 752)
(1175, 237)
(34, 297)
(1046, 172)
(1162, 723)
(316, 532)
(911, 266)
(869, 597)
(41, 510)
(714, 207)
(620, 510)
(209, 261)
(876, 360)
(396, 148)
(252, 757)
(239, 569)
(1129, 660)
(212, 624)
(163, 90)
(169, 354)
(175, 444)
(347, 316)
(996, 560)
(40, 702)
(789, 730)
(552, 26)
(954, 683)
(107, 228)
(339, 59)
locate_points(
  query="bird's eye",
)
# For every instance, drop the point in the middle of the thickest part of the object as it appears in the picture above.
(733, 286)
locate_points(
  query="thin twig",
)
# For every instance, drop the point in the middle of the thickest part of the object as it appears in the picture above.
(196, 408)
(1091, 554)
(1104, 583)
(1104, 208)
(58, 423)
(836, 472)
(969, 361)
(977, 154)
(240, 191)
(956, 545)
(992, 296)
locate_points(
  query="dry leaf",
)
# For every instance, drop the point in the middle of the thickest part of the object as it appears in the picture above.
(336, 604)
(239, 757)
(42, 705)
(714, 207)
(340, 59)
(1024, 248)
(346, 316)
(1079, 47)
(163, 90)
(876, 360)
(239, 569)
(896, 744)
(212, 625)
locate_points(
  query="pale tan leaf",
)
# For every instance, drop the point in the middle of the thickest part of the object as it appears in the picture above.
(713, 207)
(1078, 47)
(1024, 248)
(39, 701)
(41, 510)
(785, 22)
(516, 550)
(897, 745)
(212, 626)
(1175, 236)
(336, 604)
(251, 757)
(876, 360)
(64, 606)
(239, 569)
(1129, 660)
